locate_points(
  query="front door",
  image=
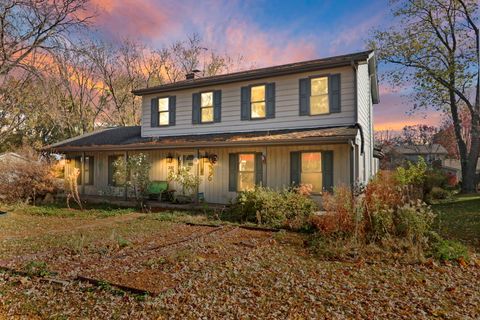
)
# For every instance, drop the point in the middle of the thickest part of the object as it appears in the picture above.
(195, 166)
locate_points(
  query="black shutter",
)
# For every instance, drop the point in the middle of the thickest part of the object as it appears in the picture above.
(304, 96)
(327, 170)
(91, 170)
(232, 172)
(334, 92)
(196, 100)
(258, 169)
(154, 112)
(245, 104)
(111, 160)
(270, 97)
(217, 106)
(172, 108)
(295, 168)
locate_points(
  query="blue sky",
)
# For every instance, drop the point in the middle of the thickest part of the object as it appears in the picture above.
(265, 33)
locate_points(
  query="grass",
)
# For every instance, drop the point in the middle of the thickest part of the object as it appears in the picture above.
(459, 219)
(60, 210)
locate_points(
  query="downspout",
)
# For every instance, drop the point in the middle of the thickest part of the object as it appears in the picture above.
(125, 190)
(355, 88)
(352, 163)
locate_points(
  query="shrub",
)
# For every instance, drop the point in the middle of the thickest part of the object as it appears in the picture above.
(26, 181)
(434, 179)
(340, 213)
(412, 174)
(445, 250)
(135, 172)
(285, 208)
(438, 193)
(413, 220)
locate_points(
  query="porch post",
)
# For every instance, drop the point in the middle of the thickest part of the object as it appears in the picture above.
(197, 199)
(83, 172)
(125, 190)
(352, 163)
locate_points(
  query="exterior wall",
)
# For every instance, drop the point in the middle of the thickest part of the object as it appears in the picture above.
(276, 169)
(286, 107)
(365, 119)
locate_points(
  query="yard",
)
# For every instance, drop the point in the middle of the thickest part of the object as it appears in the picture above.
(118, 263)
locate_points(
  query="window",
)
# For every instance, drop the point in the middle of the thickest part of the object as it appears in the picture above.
(246, 171)
(311, 170)
(257, 102)
(88, 169)
(319, 103)
(163, 112)
(112, 181)
(206, 107)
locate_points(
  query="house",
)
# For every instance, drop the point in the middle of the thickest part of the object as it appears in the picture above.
(397, 155)
(453, 167)
(308, 122)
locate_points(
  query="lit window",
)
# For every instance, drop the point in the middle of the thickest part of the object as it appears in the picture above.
(246, 171)
(257, 103)
(312, 170)
(163, 112)
(319, 96)
(206, 106)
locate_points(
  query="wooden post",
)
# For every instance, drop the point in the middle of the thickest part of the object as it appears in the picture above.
(125, 191)
(197, 199)
(83, 172)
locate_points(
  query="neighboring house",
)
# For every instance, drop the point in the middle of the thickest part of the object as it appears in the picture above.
(12, 157)
(302, 123)
(397, 155)
(453, 167)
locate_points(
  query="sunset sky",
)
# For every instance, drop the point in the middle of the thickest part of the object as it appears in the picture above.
(265, 33)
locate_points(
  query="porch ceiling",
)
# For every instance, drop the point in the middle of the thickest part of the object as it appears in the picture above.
(129, 138)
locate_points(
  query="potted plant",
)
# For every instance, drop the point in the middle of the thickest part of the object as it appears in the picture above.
(189, 182)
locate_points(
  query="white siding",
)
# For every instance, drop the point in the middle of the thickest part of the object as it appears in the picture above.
(276, 169)
(286, 115)
(366, 165)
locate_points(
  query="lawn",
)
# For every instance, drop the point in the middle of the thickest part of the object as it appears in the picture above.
(192, 270)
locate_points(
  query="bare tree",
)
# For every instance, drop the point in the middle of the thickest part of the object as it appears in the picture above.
(435, 46)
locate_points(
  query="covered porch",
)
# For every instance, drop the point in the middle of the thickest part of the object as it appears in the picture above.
(225, 163)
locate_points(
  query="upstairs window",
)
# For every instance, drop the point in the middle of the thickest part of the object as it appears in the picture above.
(319, 103)
(163, 112)
(206, 107)
(257, 103)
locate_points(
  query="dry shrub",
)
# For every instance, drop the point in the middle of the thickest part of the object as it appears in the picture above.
(340, 213)
(26, 181)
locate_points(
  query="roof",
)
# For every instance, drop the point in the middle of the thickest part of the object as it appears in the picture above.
(12, 156)
(421, 149)
(129, 138)
(297, 67)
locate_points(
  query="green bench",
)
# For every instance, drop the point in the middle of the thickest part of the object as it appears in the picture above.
(159, 190)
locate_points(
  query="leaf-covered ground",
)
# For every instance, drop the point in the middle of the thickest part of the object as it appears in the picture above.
(209, 272)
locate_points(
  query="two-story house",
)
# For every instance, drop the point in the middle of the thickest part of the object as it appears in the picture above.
(308, 122)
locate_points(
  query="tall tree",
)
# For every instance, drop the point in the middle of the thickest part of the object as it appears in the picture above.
(434, 46)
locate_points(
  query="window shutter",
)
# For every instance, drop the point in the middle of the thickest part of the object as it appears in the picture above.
(91, 171)
(245, 104)
(327, 170)
(295, 168)
(154, 113)
(196, 108)
(334, 92)
(217, 106)
(233, 172)
(304, 96)
(111, 160)
(270, 97)
(258, 169)
(172, 108)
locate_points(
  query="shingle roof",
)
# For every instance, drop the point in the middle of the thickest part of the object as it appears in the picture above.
(421, 149)
(129, 138)
(311, 65)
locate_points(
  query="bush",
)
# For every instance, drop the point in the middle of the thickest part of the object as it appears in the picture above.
(340, 216)
(26, 181)
(434, 179)
(413, 220)
(285, 208)
(446, 250)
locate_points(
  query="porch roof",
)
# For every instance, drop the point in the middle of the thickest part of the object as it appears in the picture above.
(129, 138)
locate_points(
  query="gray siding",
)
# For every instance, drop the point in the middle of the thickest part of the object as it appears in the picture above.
(286, 115)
